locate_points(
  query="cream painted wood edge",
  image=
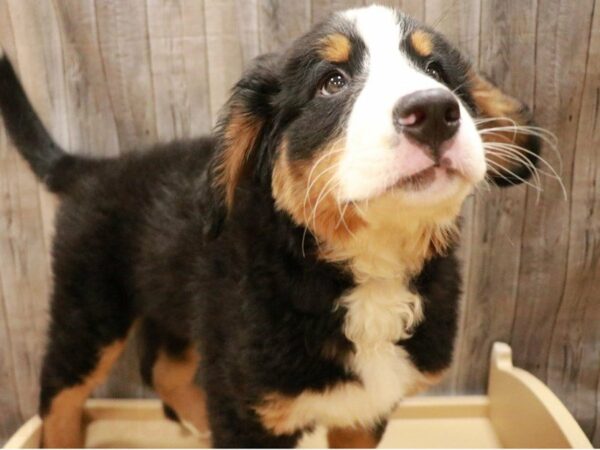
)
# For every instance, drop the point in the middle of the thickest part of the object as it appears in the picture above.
(455, 407)
(129, 409)
(28, 436)
(524, 411)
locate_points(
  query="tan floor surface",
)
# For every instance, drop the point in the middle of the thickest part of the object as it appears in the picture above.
(401, 433)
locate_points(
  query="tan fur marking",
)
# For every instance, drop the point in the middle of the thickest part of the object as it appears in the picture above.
(240, 135)
(492, 102)
(441, 239)
(429, 380)
(63, 425)
(281, 414)
(274, 413)
(336, 48)
(422, 42)
(318, 208)
(173, 379)
(412, 247)
(351, 438)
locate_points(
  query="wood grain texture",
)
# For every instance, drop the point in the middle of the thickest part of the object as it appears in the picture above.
(227, 33)
(246, 16)
(574, 354)
(125, 51)
(23, 231)
(414, 8)
(110, 76)
(497, 214)
(561, 66)
(281, 21)
(178, 58)
(323, 8)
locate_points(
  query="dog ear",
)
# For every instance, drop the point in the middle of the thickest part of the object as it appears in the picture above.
(511, 140)
(243, 122)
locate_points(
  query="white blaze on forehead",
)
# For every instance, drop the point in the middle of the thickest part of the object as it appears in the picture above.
(389, 76)
(379, 28)
(389, 71)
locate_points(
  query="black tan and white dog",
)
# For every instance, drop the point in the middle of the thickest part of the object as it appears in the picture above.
(295, 268)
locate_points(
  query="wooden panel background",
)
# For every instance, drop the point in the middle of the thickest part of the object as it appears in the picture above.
(109, 76)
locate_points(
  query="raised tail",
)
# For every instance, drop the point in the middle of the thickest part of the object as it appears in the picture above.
(45, 157)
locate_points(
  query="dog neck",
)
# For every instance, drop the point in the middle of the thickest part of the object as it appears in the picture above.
(395, 243)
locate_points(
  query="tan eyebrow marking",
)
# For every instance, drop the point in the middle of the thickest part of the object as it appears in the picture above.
(422, 42)
(335, 48)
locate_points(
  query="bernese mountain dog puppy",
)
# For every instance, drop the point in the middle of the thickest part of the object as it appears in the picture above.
(296, 267)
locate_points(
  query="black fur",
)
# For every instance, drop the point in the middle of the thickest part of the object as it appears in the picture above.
(439, 285)
(47, 160)
(148, 237)
(26, 130)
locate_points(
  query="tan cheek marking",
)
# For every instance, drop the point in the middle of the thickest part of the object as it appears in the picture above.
(240, 135)
(351, 438)
(63, 424)
(422, 42)
(317, 209)
(173, 379)
(335, 48)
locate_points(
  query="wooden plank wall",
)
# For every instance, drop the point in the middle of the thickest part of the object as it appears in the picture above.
(109, 76)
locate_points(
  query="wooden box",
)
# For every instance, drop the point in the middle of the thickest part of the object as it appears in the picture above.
(519, 411)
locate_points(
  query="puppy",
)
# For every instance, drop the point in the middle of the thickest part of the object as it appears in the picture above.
(297, 266)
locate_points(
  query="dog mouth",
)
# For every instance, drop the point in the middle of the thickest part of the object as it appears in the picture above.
(425, 178)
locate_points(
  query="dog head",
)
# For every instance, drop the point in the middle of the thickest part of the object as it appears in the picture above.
(370, 117)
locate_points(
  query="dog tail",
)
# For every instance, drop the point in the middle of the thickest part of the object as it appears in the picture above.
(50, 163)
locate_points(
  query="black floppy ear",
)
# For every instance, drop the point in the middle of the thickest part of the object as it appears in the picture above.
(505, 124)
(239, 131)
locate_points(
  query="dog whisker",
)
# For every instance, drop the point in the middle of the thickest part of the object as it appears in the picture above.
(540, 132)
(515, 149)
(309, 189)
(520, 159)
(325, 191)
(508, 155)
(545, 135)
(497, 168)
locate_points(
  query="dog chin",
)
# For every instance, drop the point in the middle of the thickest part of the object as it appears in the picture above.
(435, 200)
(432, 187)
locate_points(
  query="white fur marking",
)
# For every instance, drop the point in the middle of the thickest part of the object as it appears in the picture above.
(380, 313)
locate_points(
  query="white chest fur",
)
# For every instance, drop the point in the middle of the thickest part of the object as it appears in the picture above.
(379, 313)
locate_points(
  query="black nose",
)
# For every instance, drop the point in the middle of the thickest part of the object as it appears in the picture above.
(429, 117)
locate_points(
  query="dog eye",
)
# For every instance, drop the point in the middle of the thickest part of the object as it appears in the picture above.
(334, 83)
(435, 70)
